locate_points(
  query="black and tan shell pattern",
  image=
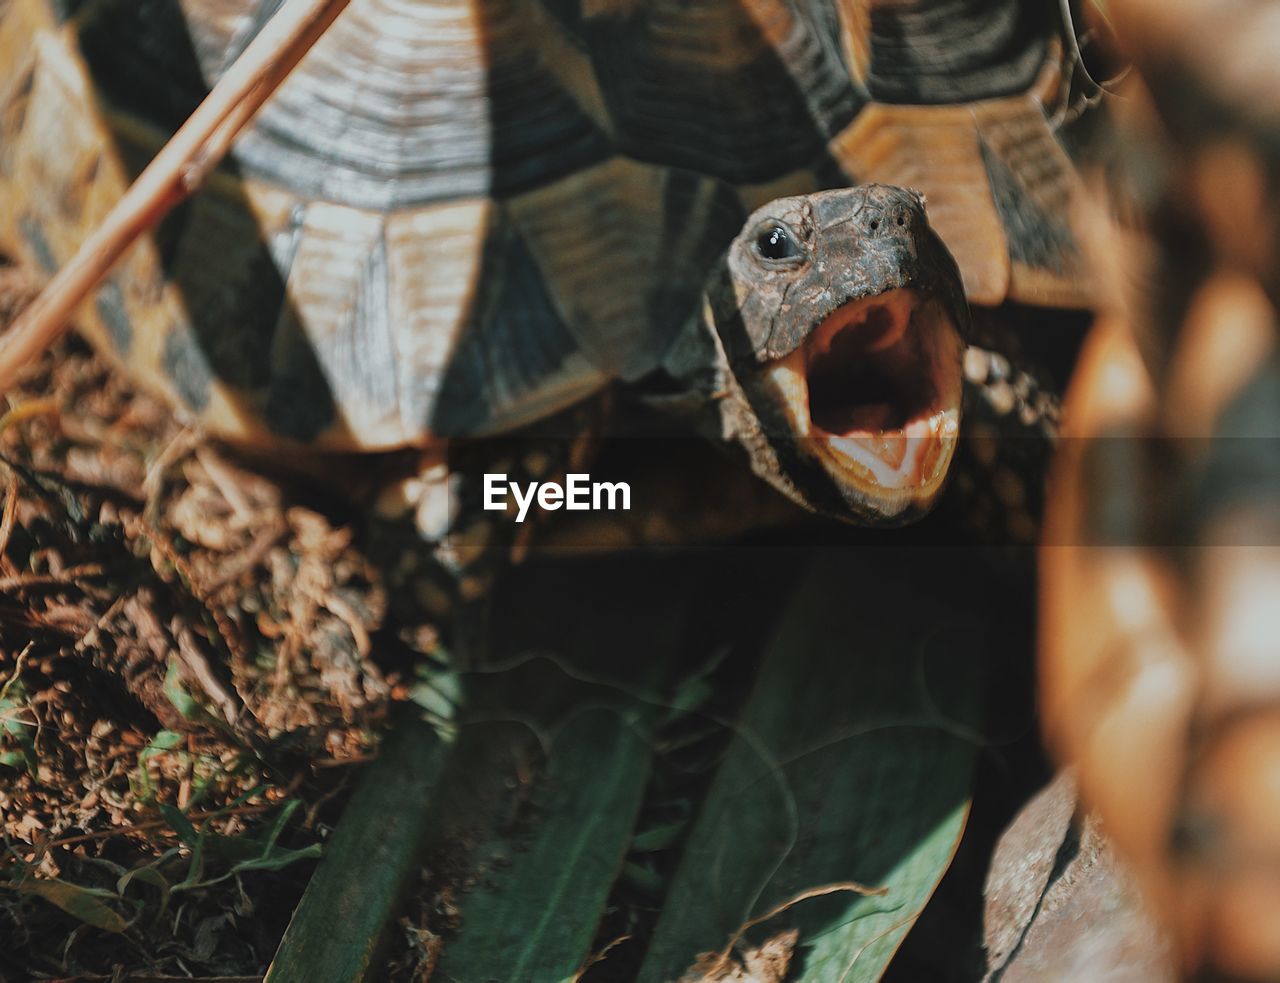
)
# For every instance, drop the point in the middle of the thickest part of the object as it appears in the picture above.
(459, 215)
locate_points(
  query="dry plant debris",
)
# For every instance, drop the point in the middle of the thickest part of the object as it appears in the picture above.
(185, 655)
(766, 963)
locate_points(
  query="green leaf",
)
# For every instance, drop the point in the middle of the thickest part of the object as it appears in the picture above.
(11, 723)
(147, 875)
(86, 904)
(163, 742)
(852, 764)
(11, 708)
(541, 888)
(860, 936)
(593, 700)
(436, 708)
(438, 692)
(695, 689)
(278, 824)
(336, 929)
(195, 869)
(278, 858)
(241, 853)
(180, 824)
(532, 917)
(177, 694)
(644, 880)
(659, 837)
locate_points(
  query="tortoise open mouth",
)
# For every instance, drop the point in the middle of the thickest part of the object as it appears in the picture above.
(874, 394)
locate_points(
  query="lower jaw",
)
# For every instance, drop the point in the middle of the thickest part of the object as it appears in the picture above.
(873, 489)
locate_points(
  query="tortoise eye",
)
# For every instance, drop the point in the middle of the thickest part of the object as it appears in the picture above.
(775, 241)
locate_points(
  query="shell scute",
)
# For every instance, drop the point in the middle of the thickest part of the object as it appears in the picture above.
(1033, 186)
(935, 150)
(434, 266)
(955, 51)
(515, 360)
(745, 90)
(401, 105)
(609, 238)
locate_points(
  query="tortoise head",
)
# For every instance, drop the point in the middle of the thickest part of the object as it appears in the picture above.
(842, 318)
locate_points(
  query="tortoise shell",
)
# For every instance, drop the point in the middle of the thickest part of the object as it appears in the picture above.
(1160, 632)
(457, 216)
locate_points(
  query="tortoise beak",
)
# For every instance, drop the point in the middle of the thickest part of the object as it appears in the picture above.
(873, 396)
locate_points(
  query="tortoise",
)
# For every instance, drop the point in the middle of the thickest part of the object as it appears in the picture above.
(1159, 649)
(459, 217)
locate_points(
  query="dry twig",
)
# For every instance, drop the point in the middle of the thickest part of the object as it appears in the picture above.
(721, 959)
(177, 170)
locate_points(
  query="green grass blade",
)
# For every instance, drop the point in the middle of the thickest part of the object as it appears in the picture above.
(532, 920)
(87, 904)
(580, 716)
(852, 763)
(335, 932)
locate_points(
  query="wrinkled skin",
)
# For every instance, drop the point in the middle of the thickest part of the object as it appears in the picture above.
(831, 345)
(852, 243)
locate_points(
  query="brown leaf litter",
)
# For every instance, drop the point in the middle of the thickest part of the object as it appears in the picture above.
(176, 630)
